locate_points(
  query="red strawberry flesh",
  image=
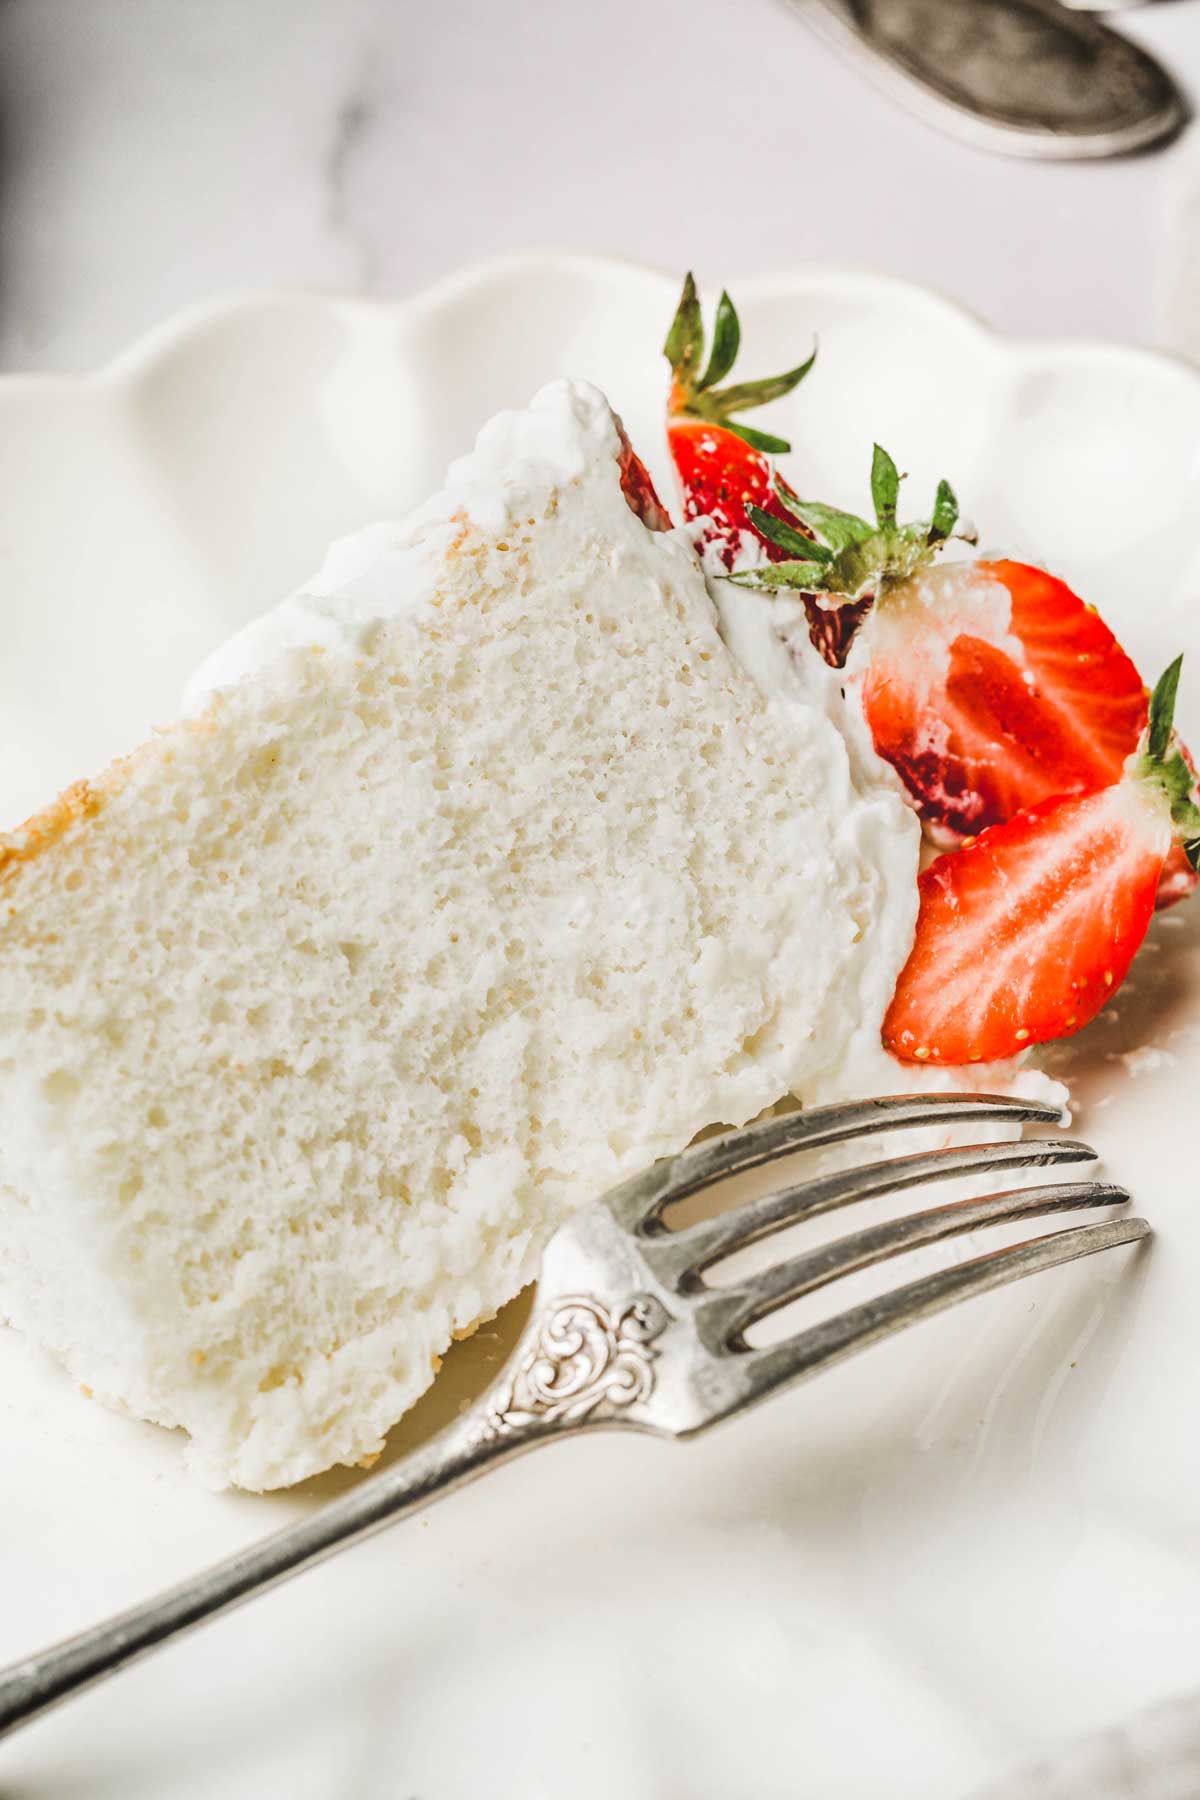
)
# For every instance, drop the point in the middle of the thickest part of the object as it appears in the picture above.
(1025, 933)
(720, 476)
(1081, 674)
(990, 727)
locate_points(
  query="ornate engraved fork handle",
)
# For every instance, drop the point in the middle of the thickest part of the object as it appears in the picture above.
(577, 1365)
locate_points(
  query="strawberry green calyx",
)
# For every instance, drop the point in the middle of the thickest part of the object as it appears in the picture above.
(1159, 761)
(847, 556)
(694, 392)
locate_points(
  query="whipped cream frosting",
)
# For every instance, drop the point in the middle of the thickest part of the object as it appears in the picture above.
(377, 574)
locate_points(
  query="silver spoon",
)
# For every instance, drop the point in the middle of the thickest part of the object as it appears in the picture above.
(1026, 77)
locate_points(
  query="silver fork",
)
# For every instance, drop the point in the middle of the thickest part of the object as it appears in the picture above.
(626, 1331)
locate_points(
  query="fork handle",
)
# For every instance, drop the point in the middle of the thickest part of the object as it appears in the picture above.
(468, 1447)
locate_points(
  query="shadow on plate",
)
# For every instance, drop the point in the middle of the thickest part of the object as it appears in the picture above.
(468, 1370)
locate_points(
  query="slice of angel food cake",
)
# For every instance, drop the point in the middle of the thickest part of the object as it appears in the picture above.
(479, 874)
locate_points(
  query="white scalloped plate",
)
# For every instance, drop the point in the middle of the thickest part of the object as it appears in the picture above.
(935, 1562)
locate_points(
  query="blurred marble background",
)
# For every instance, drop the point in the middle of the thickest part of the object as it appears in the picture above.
(156, 151)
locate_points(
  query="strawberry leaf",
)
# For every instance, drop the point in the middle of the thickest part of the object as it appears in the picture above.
(768, 526)
(720, 402)
(885, 486)
(945, 514)
(805, 575)
(1162, 712)
(727, 337)
(837, 529)
(1166, 768)
(867, 557)
(684, 348)
(757, 440)
(695, 395)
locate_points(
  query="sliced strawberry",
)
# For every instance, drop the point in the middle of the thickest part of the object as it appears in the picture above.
(989, 687)
(1023, 935)
(723, 465)
(1081, 675)
(983, 722)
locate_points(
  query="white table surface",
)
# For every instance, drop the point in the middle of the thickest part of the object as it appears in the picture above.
(153, 151)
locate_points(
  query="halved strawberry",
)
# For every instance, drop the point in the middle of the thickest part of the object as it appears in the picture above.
(723, 465)
(988, 686)
(1023, 935)
(1001, 712)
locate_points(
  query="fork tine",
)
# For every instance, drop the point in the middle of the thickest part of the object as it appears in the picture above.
(639, 1202)
(731, 1310)
(681, 1255)
(827, 1343)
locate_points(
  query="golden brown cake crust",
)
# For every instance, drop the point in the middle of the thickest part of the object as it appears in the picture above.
(80, 802)
(83, 800)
